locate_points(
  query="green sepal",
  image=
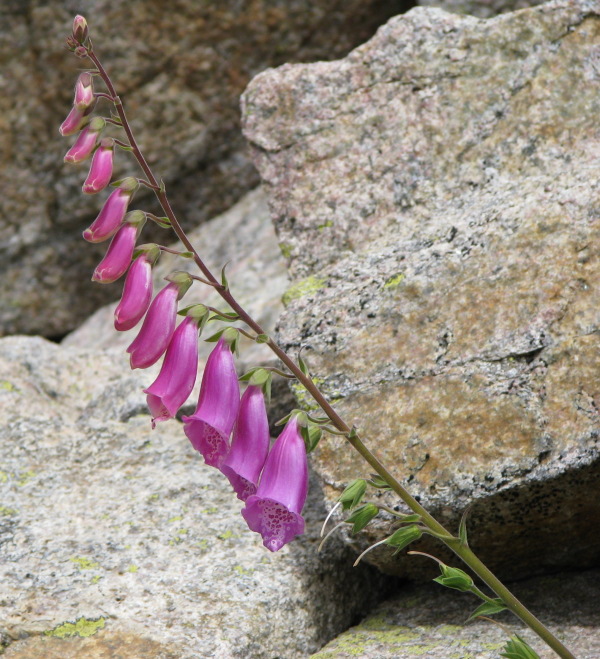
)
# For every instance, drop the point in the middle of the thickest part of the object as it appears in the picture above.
(312, 436)
(403, 537)
(517, 648)
(262, 338)
(115, 117)
(285, 419)
(378, 482)
(186, 255)
(198, 312)
(183, 280)
(259, 377)
(488, 609)
(151, 250)
(409, 519)
(229, 334)
(124, 147)
(353, 494)
(226, 316)
(453, 577)
(362, 516)
(163, 222)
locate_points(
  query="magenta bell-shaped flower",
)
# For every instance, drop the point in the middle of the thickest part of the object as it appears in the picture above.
(157, 329)
(86, 141)
(274, 511)
(210, 426)
(177, 376)
(137, 293)
(118, 255)
(110, 217)
(249, 445)
(101, 168)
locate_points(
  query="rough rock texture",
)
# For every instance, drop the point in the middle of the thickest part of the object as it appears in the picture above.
(115, 537)
(480, 8)
(180, 73)
(430, 621)
(436, 193)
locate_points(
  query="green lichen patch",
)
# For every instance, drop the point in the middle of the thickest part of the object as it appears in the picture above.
(4, 511)
(325, 225)
(177, 518)
(394, 280)
(82, 627)
(25, 477)
(3, 477)
(132, 568)
(5, 385)
(84, 563)
(302, 288)
(286, 250)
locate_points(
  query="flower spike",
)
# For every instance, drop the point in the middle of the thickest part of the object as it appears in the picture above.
(275, 510)
(208, 429)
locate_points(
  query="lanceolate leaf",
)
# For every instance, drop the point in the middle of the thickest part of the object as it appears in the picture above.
(488, 609)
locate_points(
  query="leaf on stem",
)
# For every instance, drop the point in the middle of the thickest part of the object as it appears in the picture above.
(517, 648)
(488, 609)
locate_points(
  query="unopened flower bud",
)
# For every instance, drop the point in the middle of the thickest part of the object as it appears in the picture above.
(86, 141)
(84, 91)
(119, 253)
(80, 29)
(110, 217)
(81, 52)
(101, 168)
(74, 121)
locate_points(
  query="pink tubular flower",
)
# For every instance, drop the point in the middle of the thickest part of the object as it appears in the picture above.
(177, 376)
(112, 213)
(210, 426)
(118, 255)
(249, 445)
(157, 329)
(85, 142)
(84, 91)
(101, 168)
(274, 511)
(137, 293)
(74, 121)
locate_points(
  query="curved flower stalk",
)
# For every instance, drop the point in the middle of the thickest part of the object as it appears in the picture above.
(110, 217)
(249, 444)
(137, 290)
(118, 255)
(275, 510)
(101, 168)
(156, 331)
(177, 376)
(209, 427)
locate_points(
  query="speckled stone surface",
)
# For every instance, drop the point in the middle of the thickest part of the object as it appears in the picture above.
(180, 73)
(436, 195)
(430, 621)
(117, 541)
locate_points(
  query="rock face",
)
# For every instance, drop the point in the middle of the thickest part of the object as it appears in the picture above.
(116, 537)
(180, 74)
(436, 195)
(429, 621)
(480, 8)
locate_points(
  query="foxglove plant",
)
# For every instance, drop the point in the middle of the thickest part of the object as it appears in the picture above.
(274, 508)
(118, 255)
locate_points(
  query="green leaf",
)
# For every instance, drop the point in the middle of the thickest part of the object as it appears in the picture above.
(362, 516)
(462, 527)
(488, 609)
(353, 494)
(224, 281)
(262, 338)
(216, 336)
(378, 482)
(312, 436)
(303, 366)
(517, 648)
(453, 577)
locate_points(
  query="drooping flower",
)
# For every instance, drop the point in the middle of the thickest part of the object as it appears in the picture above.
(75, 120)
(208, 429)
(110, 217)
(157, 329)
(101, 168)
(84, 91)
(119, 252)
(137, 292)
(249, 444)
(86, 141)
(275, 510)
(177, 376)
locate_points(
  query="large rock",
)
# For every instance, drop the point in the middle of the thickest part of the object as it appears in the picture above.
(436, 195)
(180, 72)
(116, 540)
